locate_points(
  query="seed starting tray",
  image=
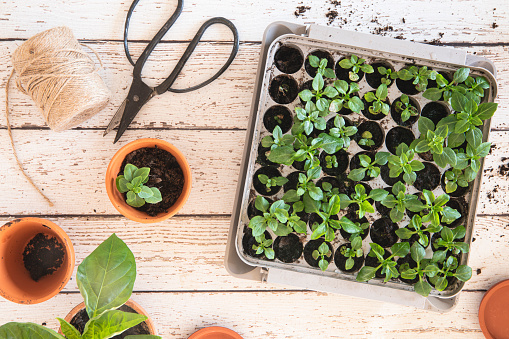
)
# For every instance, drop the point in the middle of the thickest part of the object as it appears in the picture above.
(339, 44)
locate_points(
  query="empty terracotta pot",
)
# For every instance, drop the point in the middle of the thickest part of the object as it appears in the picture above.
(16, 284)
(494, 312)
(215, 332)
(117, 198)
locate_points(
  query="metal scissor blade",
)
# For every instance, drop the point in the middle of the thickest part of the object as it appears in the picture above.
(115, 121)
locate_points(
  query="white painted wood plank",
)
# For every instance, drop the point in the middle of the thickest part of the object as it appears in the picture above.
(300, 315)
(463, 21)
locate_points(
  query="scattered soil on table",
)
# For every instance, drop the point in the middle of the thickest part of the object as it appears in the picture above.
(300, 10)
(270, 172)
(278, 116)
(504, 168)
(43, 255)
(165, 174)
(340, 259)
(397, 136)
(248, 241)
(331, 15)
(383, 232)
(494, 25)
(283, 89)
(427, 178)
(288, 249)
(376, 132)
(396, 114)
(375, 79)
(81, 318)
(288, 59)
(436, 41)
(435, 111)
(313, 245)
(321, 55)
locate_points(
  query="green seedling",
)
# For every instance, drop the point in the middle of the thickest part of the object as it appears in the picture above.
(331, 161)
(454, 178)
(415, 227)
(368, 167)
(405, 108)
(361, 199)
(423, 269)
(354, 251)
(264, 246)
(309, 118)
(294, 220)
(342, 132)
(469, 161)
(450, 268)
(278, 139)
(321, 65)
(328, 225)
(390, 75)
(131, 182)
(306, 190)
(433, 140)
(275, 217)
(346, 97)
(322, 252)
(437, 211)
(398, 202)
(388, 265)
(364, 228)
(403, 162)
(378, 99)
(279, 118)
(420, 76)
(355, 64)
(271, 182)
(448, 241)
(366, 139)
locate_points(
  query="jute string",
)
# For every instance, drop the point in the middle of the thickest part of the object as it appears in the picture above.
(61, 79)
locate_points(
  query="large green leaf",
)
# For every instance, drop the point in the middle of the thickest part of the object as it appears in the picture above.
(106, 277)
(14, 330)
(68, 330)
(111, 323)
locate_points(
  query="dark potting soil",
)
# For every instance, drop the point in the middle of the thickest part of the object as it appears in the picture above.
(396, 114)
(412, 264)
(427, 178)
(371, 116)
(376, 132)
(384, 173)
(383, 232)
(406, 86)
(385, 211)
(344, 74)
(355, 218)
(460, 205)
(342, 162)
(278, 116)
(340, 259)
(375, 79)
(248, 241)
(354, 208)
(288, 59)
(270, 172)
(426, 156)
(460, 190)
(397, 136)
(315, 219)
(435, 111)
(330, 123)
(261, 159)
(313, 245)
(299, 165)
(355, 163)
(43, 255)
(372, 261)
(331, 180)
(165, 174)
(252, 211)
(322, 55)
(283, 89)
(293, 181)
(81, 318)
(288, 249)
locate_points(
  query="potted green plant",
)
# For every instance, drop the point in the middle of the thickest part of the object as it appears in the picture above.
(105, 279)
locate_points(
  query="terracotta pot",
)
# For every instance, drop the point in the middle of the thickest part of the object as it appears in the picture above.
(215, 332)
(129, 303)
(494, 313)
(15, 282)
(117, 198)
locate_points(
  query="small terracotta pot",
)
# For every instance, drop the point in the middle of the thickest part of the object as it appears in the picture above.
(129, 303)
(215, 332)
(117, 198)
(494, 313)
(15, 282)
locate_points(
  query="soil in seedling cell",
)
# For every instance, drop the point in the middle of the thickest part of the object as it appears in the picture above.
(396, 114)
(299, 165)
(426, 156)
(315, 219)
(355, 218)
(252, 211)
(81, 318)
(331, 180)
(283, 89)
(367, 114)
(427, 178)
(435, 111)
(288, 249)
(371, 260)
(340, 259)
(293, 181)
(344, 74)
(460, 190)
(288, 59)
(384, 173)
(377, 135)
(261, 159)
(278, 116)
(248, 241)
(412, 264)
(355, 163)
(313, 245)
(406, 86)
(397, 136)
(270, 172)
(321, 55)
(337, 164)
(43, 255)
(381, 208)
(330, 123)
(354, 208)
(165, 174)
(375, 79)
(460, 205)
(383, 232)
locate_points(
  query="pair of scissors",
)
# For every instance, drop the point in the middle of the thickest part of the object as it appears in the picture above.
(140, 93)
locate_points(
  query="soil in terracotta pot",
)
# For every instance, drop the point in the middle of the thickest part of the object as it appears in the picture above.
(406, 86)
(81, 318)
(43, 255)
(313, 245)
(330, 169)
(283, 89)
(371, 116)
(344, 74)
(372, 261)
(340, 259)
(355, 218)
(460, 191)
(252, 211)
(248, 241)
(278, 116)
(288, 249)
(355, 163)
(377, 135)
(321, 55)
(165, 174)
(397, 136)
(412, 264)
(435, 111)
(270, 172)
(293, 181)
(288, 59)
(427, 178)
(383, 232)
(375, 79)
(384, 173)
(460, 205)
(261, 159)
(396, 113)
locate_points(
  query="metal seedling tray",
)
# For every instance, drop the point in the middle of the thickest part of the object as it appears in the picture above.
(340, 44)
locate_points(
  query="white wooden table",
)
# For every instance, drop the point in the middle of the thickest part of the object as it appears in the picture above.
(181, 280)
